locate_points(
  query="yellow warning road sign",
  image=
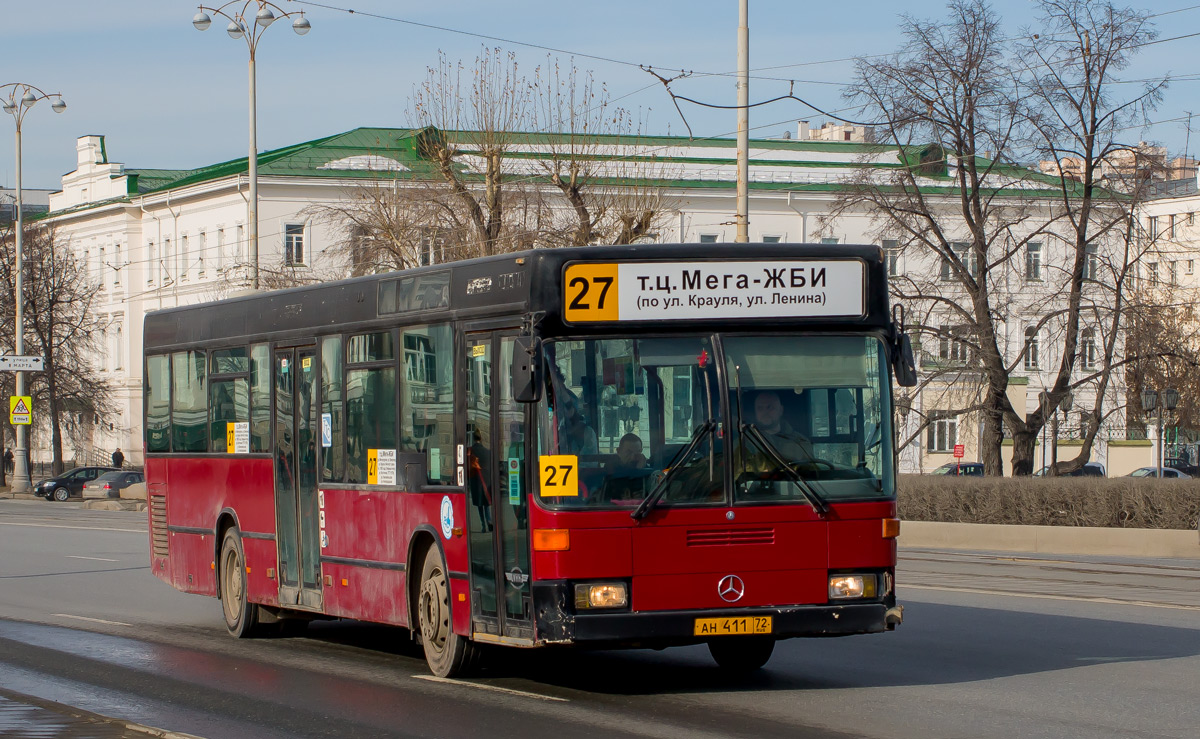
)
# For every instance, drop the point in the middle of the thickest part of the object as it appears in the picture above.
(20, 411)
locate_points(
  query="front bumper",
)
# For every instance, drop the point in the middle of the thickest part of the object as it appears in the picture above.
(556, 622)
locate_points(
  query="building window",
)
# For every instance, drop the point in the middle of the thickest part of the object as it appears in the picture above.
(1191, 219)
(168, 257)
(1033, 260)
(709, 238)
(118, 349)
(1171, 224)
(221, 248)
(1032, 348)
(1087, 349)
(1152, 272)
(1189, 267)
(293, 243)
(203, 238)
(1091, 263)
(1153, 228)
(942, 432)
(952, 349)
(891, 257)
(1173, 271)
(966, 255)
(772, 239)
(151, 262)
(238, 248)
(117, 265)
(103, 358)
(184, 265)
(101, 268)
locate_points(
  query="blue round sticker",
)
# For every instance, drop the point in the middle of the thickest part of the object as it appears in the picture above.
(447, 516)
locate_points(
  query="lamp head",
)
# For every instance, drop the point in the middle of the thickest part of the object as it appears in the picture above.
(29, 99)
(235, 30)
(9, 106)
(1149, 400)
(1170, 399)
(59, 105)
(201, 21)
(265, 17)
(301, 25)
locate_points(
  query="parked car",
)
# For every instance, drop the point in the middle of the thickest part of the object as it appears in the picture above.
(1091, 469)
(1167, 473)
(68, 484)
(968, 469)
(110, 484)
(1181, 464)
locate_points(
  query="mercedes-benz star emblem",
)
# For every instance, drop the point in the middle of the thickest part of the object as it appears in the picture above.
(731, 588)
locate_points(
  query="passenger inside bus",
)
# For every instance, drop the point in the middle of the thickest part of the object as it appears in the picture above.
(625, 477)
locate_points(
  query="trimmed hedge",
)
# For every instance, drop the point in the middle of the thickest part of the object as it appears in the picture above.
(1122, 502)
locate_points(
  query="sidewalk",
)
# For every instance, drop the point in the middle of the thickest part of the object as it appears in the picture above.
(25, 716)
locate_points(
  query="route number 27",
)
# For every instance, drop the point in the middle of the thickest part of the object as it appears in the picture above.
(590, 293)
(559, 475)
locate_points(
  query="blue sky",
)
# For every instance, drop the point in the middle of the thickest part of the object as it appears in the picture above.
(168, 96)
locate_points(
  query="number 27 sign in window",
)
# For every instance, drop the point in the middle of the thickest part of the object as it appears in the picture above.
(665, 291)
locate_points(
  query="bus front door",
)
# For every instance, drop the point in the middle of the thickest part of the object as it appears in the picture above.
(501, 602)
(296, 435)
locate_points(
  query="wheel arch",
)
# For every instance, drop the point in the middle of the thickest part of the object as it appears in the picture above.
(227, 519)
(423, 539)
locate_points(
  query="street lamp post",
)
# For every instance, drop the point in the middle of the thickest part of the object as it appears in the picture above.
(16, 98)
(1170, 399)
(252, 31)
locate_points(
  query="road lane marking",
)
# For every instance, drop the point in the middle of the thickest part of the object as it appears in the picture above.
(84, 528)
(1042, 596)
(94, 559)
(93, 620)
(495, 688)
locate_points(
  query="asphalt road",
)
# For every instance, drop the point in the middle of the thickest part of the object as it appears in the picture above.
(992, 646)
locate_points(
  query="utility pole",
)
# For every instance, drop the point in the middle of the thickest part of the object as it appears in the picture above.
(743, 124)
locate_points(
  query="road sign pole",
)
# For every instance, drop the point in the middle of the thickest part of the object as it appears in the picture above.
(20, 480)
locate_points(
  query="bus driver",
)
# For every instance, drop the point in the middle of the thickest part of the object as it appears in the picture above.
(768, 417)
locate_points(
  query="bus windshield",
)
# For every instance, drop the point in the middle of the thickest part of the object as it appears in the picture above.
(813, 408)
(804, 411)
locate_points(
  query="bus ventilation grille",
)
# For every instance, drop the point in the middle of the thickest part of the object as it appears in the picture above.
(730, 537)
(158, 525)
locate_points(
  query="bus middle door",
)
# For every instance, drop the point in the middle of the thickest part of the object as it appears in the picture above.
(501, 604)
(297, 430)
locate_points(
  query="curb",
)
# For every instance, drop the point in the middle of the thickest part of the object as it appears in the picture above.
(88, 717)
(1072, 540)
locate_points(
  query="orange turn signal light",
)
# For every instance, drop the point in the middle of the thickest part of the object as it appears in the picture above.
(551, 540)
(891, 528)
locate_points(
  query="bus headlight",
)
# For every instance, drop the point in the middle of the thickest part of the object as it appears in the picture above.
(844, 587)
(601, 595)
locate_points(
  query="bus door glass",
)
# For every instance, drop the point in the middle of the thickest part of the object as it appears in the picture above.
(495, 469)
(295, 453)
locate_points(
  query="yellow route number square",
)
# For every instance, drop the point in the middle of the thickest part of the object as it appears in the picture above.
(590, 293)
(559, 475)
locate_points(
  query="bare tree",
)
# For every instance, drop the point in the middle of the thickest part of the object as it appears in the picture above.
(998, 246)
(63, 328)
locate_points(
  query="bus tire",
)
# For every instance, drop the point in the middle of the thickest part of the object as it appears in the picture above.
(447, 653)
(241, 616)
(741, 653)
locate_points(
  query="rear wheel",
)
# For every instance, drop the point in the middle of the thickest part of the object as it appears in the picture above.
(447, 653)
(61, 494)
(742, 654)
(241, 616)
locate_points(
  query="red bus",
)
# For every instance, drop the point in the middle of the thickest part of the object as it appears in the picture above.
(607, 446)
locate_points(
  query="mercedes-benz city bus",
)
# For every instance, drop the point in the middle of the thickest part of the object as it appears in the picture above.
(600, 446)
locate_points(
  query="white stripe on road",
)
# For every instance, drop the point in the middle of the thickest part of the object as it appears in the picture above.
(93, 620)
(495, 688)
(85, 528)
(93, 559)
(1042, 596)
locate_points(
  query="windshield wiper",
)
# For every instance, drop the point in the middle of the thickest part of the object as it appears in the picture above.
(816, 501)
(656, 494)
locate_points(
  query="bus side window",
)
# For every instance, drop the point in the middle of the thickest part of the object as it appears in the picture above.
(260, 398)
(333, 457)
(158, 404)
(427, 400)
(189, 402)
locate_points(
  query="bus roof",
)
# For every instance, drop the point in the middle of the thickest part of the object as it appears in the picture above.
(519, 284)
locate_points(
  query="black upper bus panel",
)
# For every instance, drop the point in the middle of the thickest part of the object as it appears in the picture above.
(510, 284)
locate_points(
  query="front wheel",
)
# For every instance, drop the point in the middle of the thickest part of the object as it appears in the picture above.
(447, 653)
(61, 494)
(241, 616)
(740, 653)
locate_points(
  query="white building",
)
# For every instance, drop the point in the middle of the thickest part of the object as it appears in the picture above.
(157, 238)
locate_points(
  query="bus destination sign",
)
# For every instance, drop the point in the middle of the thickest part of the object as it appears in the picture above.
(666, 291)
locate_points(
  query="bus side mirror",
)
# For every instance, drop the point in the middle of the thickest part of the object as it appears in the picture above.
(527, 369)
(904, 364)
